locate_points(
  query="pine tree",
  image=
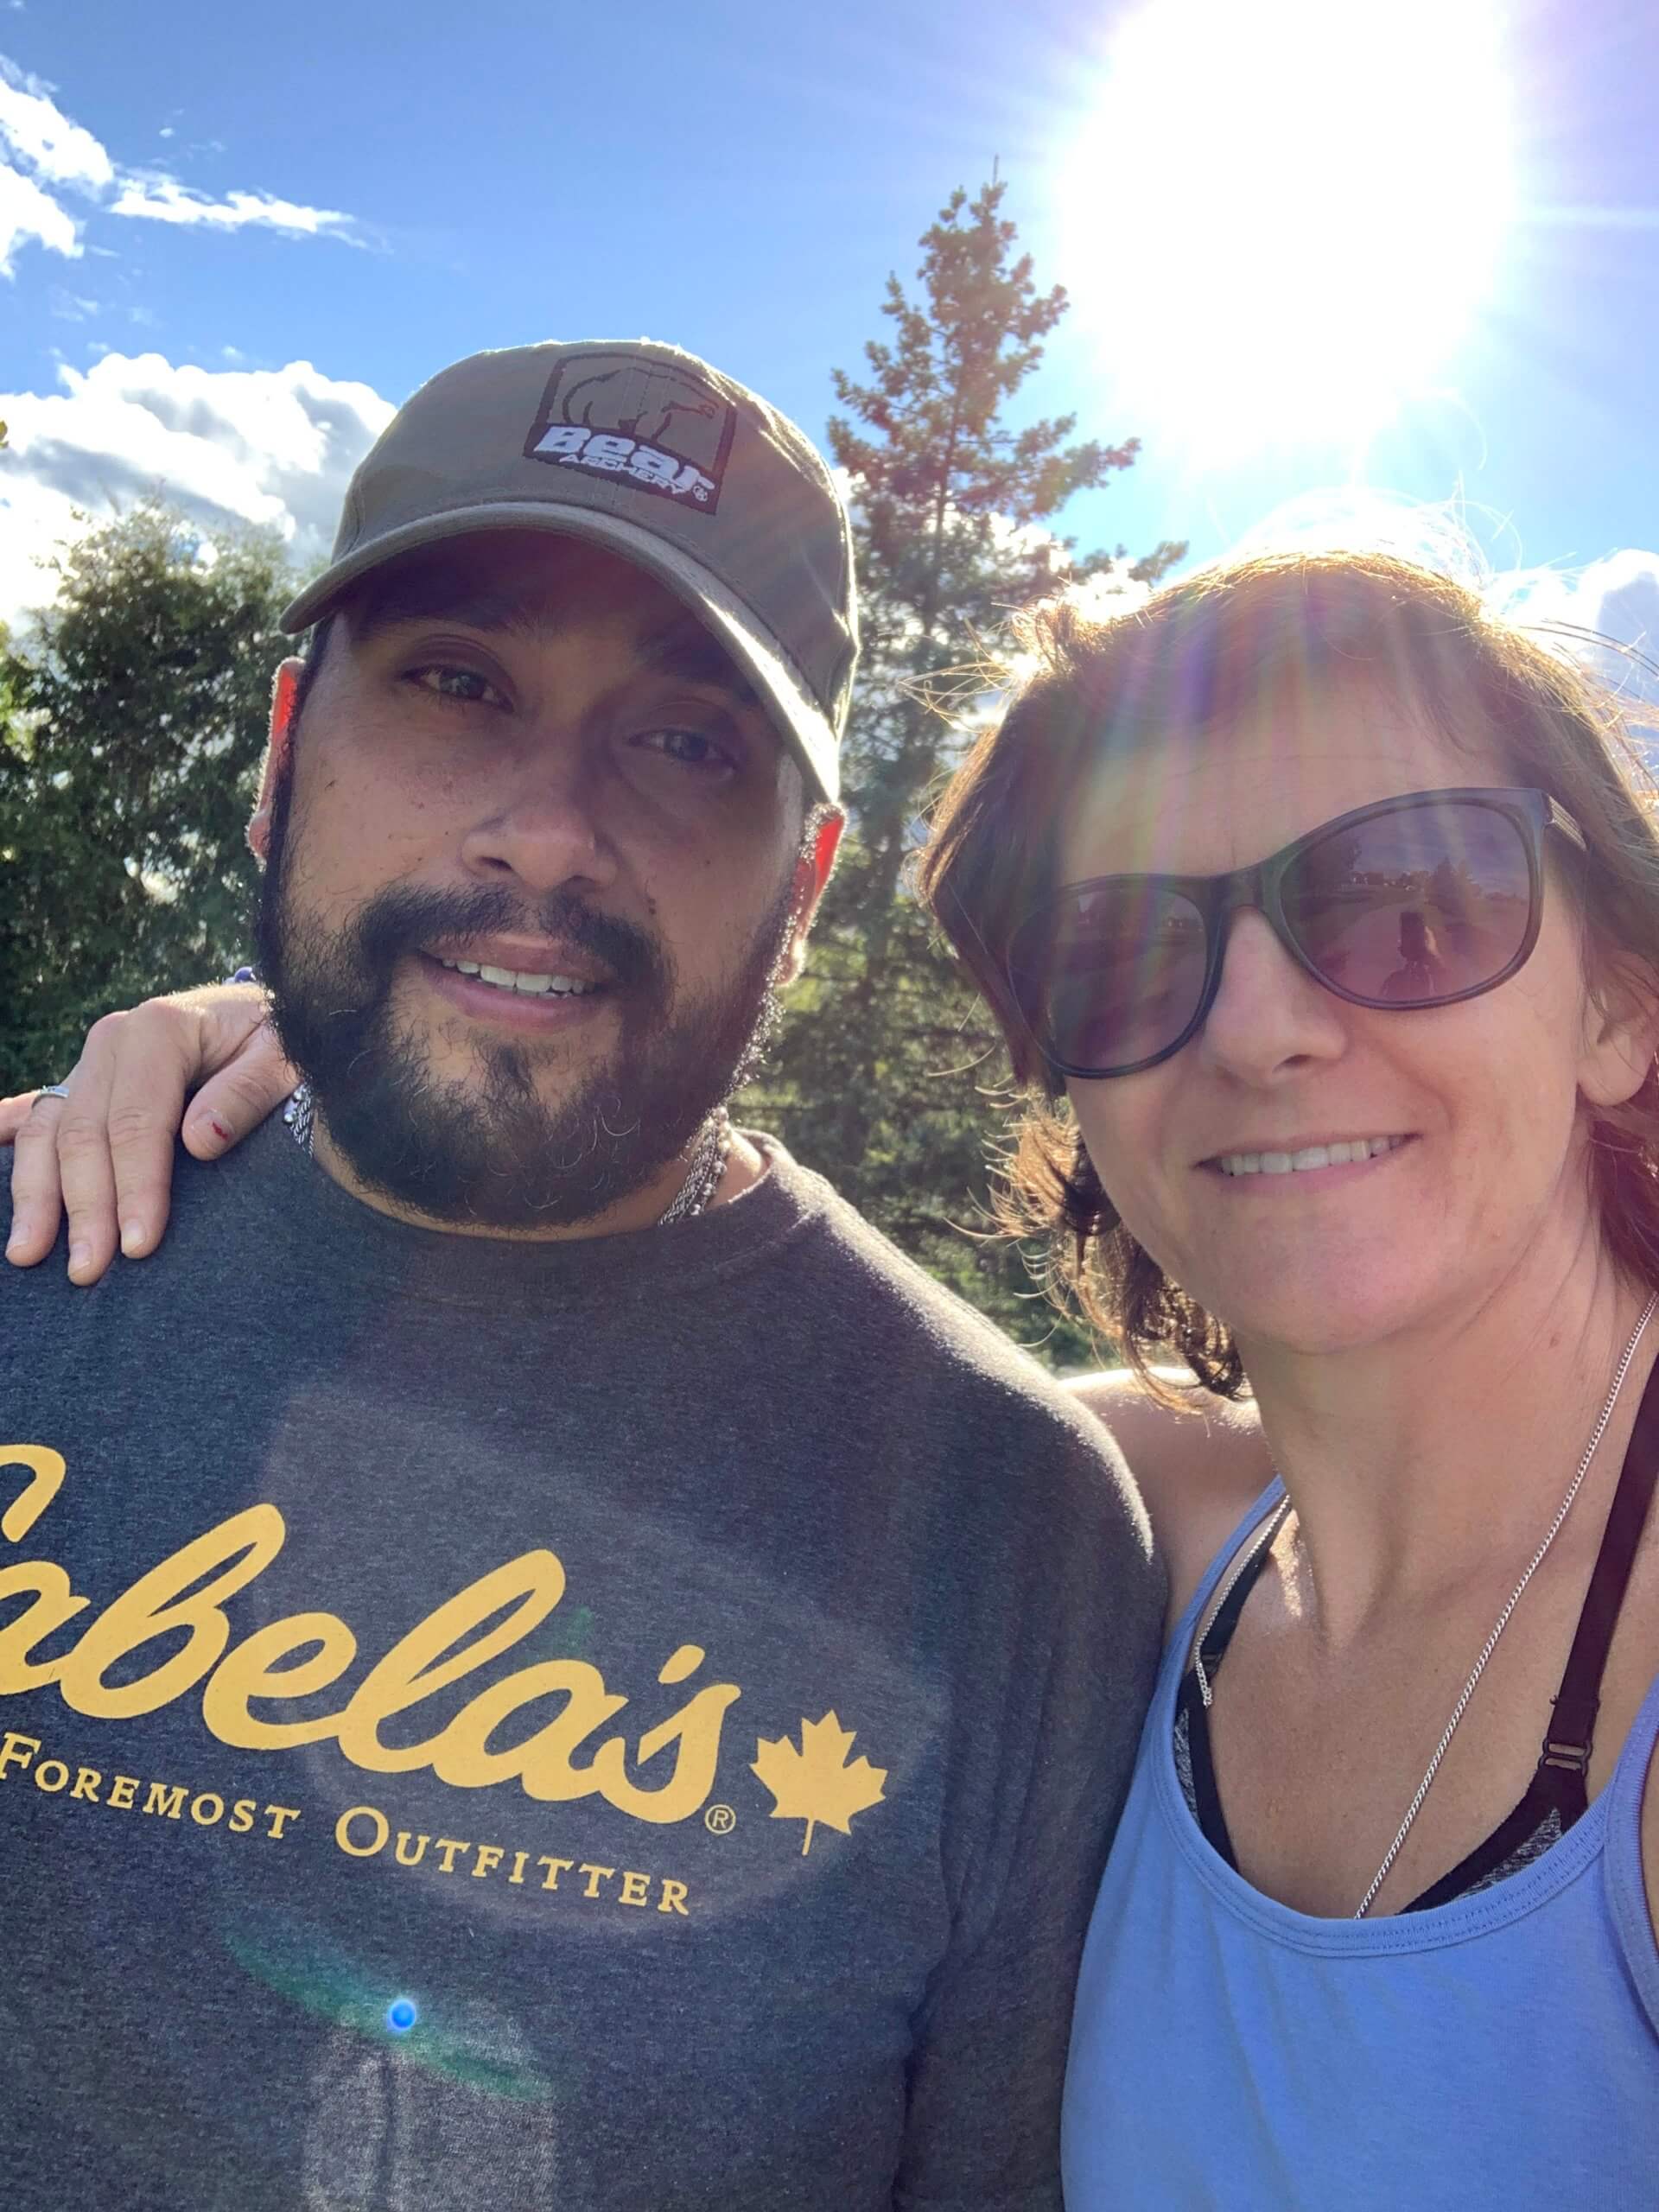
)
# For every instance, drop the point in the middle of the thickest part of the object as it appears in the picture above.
(883, 1062)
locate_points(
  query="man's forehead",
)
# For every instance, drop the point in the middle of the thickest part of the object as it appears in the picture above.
(539, 586)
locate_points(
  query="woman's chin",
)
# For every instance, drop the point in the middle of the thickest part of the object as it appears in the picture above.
(1319, 1320)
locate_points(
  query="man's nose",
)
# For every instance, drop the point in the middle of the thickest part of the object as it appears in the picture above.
(547, 831)
(1269, 1016)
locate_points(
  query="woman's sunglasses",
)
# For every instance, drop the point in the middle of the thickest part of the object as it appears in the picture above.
(1413, 902)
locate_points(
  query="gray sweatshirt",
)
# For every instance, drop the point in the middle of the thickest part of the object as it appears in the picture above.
(635, 1722)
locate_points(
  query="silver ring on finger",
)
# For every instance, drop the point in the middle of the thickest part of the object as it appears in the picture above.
(48, 1090)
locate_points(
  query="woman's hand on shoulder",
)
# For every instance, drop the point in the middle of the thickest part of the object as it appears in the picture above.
(105, 1152)
(1198, 1466)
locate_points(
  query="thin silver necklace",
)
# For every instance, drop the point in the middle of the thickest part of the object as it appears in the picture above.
(1502, 1620)
(695, 1195)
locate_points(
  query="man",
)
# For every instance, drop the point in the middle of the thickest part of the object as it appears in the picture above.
(542, 1663)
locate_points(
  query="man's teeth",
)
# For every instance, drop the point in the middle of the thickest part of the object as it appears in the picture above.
(1313, 1155)
(511, 979)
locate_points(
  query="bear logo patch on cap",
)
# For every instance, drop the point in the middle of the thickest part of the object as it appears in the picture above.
(649, 424)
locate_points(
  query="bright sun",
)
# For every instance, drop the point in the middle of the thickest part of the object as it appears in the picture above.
(1283, 215)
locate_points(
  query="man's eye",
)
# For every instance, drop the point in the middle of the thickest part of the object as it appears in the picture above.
(463, 683)
(692, 749)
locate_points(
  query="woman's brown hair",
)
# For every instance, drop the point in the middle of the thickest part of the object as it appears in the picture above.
(1202, 654)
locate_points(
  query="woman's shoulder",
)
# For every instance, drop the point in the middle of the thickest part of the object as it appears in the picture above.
(1198, 1466)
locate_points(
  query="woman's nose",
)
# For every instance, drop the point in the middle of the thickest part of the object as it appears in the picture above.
(1268, 1015)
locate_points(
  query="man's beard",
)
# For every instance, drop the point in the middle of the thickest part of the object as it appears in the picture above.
(495, 1152)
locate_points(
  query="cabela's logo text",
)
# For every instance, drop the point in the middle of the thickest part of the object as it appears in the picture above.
(303, 1654)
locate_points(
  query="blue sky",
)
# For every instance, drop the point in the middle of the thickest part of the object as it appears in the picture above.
(190, 206)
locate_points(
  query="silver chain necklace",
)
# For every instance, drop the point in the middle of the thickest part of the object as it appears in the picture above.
(1502, 1620)
(702, 1177)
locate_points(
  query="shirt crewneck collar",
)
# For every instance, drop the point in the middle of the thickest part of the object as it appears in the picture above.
(310, 1223)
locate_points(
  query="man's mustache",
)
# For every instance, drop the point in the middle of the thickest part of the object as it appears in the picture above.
(402, 919)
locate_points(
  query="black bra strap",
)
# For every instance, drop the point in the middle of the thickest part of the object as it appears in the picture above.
(1572, 1728)
(1206, 1798)
(1219, 1634)
(1558, 1785)
(1550, 1791)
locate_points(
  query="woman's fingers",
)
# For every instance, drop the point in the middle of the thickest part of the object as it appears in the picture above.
(60, 1160)
(62, 1163)
(247, 1087)
(85, 1128)
(104, 1153)
(13, 1112)
(36, 1191)
(166, 1047)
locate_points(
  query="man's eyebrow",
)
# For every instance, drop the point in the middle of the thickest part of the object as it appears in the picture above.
(685, 650)
(689, 653)
(475, 607)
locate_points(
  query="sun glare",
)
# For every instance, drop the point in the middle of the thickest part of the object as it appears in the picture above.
(1282, 216)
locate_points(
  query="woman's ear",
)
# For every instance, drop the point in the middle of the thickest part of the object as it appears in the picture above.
(1621, 1031)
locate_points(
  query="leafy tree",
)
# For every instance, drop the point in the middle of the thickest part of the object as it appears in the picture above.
(887, 1069)
(132, 725)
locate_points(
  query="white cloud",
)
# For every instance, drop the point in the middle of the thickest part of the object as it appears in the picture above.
(43, 152)
(28, 215)
(269, 446)
(163, 200)
(38, 132)
(1604, 617)
(1614, 600)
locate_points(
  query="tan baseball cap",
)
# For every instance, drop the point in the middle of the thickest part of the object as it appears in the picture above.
(649, 451)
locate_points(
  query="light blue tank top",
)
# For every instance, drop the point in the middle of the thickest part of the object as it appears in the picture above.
(1499, 2051)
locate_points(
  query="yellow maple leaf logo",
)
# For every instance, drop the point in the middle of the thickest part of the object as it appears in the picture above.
(815, 1783)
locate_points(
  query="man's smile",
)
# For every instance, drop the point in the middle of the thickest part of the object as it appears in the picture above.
(521, 998)
(510, 979)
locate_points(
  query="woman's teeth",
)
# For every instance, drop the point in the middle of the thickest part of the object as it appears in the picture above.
(510, 979)
(1313, 1155)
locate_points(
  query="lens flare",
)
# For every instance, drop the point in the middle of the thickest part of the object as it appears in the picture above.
(1280, 221)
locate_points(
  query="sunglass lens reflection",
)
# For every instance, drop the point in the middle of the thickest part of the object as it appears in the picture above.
(1123, 966)
(1412, 907)
(1402, 910)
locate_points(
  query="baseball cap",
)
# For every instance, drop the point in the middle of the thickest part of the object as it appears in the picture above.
(649, 451)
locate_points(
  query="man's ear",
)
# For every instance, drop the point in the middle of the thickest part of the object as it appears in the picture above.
(284, 692)
(812, 873)
(1621, 1032)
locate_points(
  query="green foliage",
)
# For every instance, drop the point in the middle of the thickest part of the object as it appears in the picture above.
(885, 1065)
(131, 727)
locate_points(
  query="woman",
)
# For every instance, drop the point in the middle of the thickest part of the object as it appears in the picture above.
(1359, 1943)
(1327, 1969)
